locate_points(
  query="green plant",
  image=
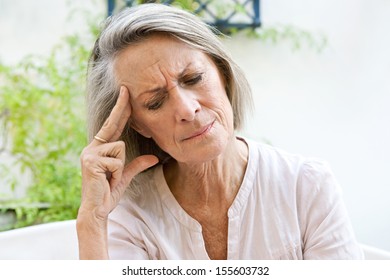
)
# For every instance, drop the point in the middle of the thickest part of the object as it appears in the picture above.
(295, 36)
(43, 119)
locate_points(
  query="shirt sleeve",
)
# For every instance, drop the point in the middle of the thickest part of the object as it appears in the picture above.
(326, 230)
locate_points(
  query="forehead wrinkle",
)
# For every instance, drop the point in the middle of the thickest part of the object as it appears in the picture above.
(146, 71)
(163, 74)
(170, 76)
(147, 77)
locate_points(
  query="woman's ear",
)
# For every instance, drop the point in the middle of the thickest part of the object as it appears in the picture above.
(139, 129)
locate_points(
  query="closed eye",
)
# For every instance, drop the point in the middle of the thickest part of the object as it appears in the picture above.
(155, 105)
(156, 102)
(192, 80)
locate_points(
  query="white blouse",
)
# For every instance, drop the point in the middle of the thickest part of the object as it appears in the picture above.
(288, 207)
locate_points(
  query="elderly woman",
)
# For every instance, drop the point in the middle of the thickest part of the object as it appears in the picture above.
(166, 177)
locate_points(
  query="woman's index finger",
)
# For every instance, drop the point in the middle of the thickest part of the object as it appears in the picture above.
(116, 121)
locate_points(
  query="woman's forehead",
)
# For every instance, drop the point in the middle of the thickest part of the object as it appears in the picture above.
(156, 56)
(159, 49)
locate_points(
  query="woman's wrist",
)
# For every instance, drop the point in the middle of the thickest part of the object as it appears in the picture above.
(92, 236)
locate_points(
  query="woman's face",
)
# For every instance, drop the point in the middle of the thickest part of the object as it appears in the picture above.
(178, 98)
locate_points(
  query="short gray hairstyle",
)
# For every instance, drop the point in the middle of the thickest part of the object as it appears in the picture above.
(133, 25)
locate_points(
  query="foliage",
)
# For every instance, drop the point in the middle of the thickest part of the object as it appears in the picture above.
(42, 115)
(297, 37)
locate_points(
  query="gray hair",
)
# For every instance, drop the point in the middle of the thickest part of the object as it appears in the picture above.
(133, 25)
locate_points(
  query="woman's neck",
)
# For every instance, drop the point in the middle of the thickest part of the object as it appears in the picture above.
(209, 183)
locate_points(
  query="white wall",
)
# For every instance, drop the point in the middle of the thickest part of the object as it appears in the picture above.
(332, 105)
(35, 26)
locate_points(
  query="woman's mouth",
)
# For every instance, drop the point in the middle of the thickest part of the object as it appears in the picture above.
(201, 132)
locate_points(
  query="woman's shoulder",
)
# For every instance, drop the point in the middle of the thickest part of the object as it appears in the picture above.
(280, 164)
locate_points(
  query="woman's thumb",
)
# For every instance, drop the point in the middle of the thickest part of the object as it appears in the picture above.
(138, 165)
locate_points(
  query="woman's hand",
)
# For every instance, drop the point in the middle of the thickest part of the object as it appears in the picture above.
(105, 176)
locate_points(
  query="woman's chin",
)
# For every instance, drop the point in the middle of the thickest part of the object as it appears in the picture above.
(199, 154)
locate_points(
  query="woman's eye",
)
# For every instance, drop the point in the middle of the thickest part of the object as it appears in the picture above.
(154, 105)
(193, 80)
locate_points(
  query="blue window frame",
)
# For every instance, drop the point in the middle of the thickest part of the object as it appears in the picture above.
(224, 15)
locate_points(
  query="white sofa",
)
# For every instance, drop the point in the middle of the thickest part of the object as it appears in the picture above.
(58, 241)
(51, 241)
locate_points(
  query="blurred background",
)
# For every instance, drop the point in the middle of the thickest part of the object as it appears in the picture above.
(320, 77)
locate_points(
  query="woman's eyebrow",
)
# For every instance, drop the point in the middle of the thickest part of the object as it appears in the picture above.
(155, 90)
(190, 67)
(159, 90)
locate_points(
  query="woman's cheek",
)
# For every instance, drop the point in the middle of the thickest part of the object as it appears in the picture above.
(155, 128)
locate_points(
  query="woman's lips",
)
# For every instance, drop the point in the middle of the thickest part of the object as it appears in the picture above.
(201, 131)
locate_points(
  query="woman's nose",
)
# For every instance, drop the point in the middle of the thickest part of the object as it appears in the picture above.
(185, 104)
